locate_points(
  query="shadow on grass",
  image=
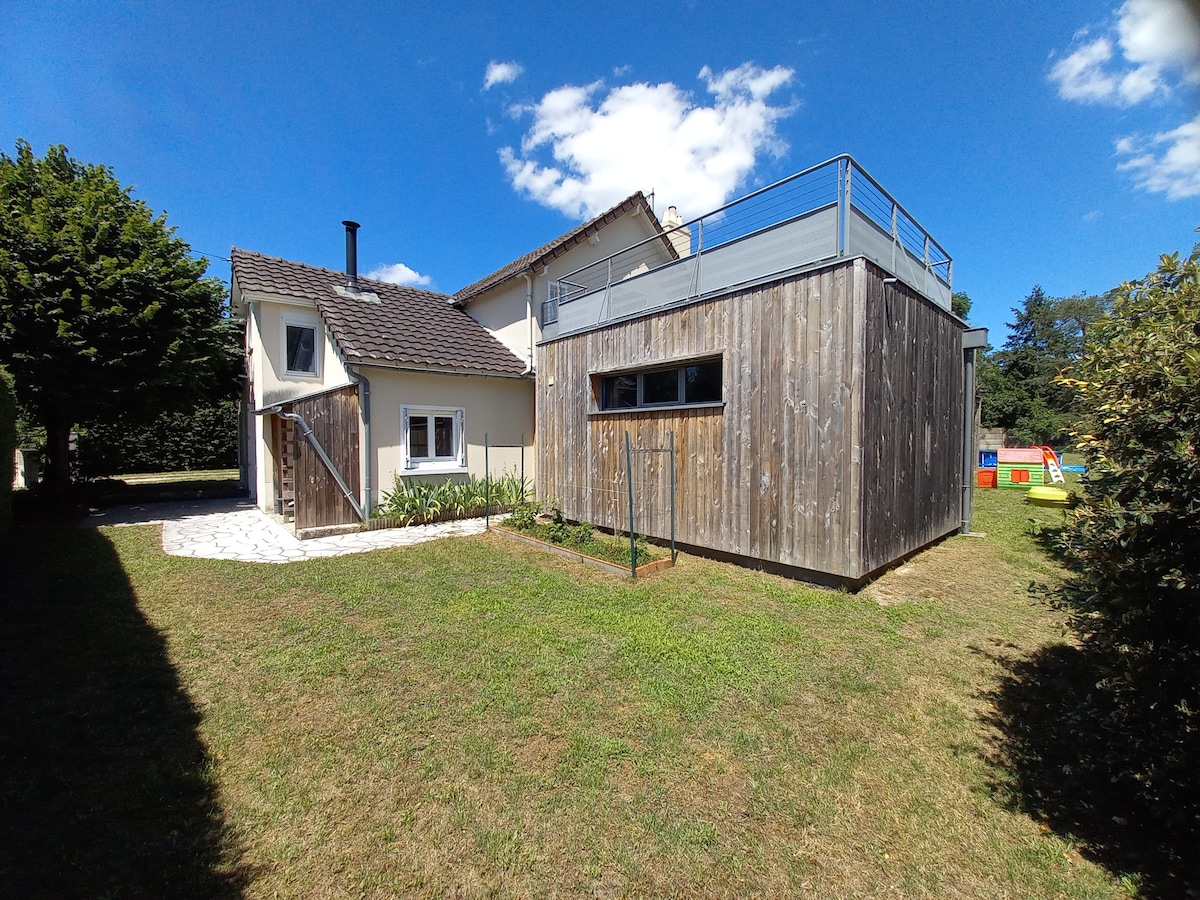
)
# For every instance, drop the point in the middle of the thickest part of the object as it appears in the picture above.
(105, 786)
(1055, 761)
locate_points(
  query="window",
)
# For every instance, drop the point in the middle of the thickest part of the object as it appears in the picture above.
(301, 346)
(694, 383)
(433, 439)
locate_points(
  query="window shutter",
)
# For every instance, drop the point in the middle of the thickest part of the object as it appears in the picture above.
(408, 463)
(462, 438)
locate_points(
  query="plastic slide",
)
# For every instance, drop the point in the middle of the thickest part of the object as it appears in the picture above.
(1050, 458)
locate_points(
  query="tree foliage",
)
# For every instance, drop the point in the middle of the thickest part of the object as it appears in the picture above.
(1018, 384)
(960, 304)
(1134, 543)
(102, 310)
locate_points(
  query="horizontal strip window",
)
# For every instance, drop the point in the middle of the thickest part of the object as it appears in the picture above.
(691, 384)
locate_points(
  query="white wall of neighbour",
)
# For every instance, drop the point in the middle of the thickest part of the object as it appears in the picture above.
(501, 310)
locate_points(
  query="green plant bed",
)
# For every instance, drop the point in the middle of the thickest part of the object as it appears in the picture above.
(545, 522)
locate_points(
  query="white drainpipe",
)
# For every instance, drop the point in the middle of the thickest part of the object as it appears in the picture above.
(529, 319)
(364, 391)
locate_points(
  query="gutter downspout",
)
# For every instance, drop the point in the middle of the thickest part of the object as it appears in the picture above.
(968, 440)
(974, 340)
(364, 393)
(529, 318)
(307, 433)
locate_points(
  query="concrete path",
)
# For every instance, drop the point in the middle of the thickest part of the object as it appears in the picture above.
(238, 530)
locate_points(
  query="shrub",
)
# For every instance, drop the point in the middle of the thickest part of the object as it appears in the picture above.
(1134, 542)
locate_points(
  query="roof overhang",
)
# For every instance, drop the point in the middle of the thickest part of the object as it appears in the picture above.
(438, 370)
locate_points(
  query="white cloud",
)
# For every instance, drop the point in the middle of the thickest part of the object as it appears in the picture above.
(1156, 52)
(1167, 163)
(588, 149)
(501, 73)
(1161, 34)
(1082, 75)
(398, 273)
(1158, 43)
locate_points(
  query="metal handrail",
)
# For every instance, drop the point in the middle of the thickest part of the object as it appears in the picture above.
(849, 182)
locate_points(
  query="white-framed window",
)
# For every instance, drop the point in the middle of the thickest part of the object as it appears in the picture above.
(433, 438)
(301, 346)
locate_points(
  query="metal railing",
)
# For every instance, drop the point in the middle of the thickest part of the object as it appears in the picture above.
(830, 210)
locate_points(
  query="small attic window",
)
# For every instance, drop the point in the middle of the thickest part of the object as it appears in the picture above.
(300, 347)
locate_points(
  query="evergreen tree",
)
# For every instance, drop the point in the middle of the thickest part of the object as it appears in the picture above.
(103, 312)
(1019, 384)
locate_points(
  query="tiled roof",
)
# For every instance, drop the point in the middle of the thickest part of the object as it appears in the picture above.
(560, 245)
(405, 325)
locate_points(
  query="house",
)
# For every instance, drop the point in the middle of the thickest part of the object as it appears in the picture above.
(796, 348)
(803, 362)
(516, 300)
(351, 382)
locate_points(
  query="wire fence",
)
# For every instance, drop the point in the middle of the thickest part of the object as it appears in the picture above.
(633, 493)
(504, 477)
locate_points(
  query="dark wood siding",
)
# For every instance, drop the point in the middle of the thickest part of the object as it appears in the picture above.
(772, 475)
(333, 417)
(912, 422)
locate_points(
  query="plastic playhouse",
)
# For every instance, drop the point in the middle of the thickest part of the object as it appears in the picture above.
(1019, 468)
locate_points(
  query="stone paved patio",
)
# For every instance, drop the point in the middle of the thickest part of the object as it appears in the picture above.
(238, 530)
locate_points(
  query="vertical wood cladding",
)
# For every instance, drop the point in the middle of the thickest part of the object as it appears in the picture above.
(333, 417)
(913, 412)
(838, 448)
(770, 474)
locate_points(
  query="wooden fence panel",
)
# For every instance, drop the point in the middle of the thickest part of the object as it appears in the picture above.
(334, 419)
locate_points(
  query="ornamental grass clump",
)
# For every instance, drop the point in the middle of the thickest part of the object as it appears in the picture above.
(417, 502)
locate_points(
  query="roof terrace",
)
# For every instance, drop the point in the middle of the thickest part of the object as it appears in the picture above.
(831, 211)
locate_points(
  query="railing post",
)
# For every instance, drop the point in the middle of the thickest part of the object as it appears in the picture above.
(895, 235)
(841, 213)
(849, 202)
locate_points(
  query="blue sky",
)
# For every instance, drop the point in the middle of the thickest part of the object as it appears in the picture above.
(1052, 143)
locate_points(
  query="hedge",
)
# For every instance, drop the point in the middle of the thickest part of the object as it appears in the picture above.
(203, 438)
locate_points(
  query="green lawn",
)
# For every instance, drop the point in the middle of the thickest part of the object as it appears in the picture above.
(475, 718)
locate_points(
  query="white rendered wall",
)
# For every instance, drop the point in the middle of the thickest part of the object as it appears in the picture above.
(271, 384)
(501, 408)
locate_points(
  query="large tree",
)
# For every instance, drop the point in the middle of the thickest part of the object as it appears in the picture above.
(1019, 385)
(103, 311)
